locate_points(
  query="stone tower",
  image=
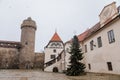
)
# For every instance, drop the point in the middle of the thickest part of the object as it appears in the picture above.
(28, 28)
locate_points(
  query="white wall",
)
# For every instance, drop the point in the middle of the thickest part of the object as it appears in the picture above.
(67, 55)
(48, 52)
(99, 57)
(59, 64)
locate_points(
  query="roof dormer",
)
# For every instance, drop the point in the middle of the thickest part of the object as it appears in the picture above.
(108, 13)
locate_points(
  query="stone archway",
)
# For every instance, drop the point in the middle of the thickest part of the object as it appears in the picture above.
(55, 69)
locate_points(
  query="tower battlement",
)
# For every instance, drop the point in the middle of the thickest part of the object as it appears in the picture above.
(29, 23)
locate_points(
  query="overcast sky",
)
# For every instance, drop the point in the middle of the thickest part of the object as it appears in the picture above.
(67, 16)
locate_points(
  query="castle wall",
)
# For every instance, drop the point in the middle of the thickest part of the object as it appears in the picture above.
(8, 57)
(39, 60)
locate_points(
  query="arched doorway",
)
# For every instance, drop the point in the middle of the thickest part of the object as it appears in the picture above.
(55, 69)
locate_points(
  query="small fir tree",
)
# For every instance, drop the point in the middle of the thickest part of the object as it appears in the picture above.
(76, 67)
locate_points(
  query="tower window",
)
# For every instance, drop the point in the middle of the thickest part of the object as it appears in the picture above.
(26, 43)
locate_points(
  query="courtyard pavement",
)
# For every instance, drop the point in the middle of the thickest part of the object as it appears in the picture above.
(39, 75)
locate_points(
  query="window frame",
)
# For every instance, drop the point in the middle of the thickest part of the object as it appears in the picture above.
(111, 36)
(85, 46)
(99, 41)
(89, 66)
(91, 45)
(109, 65)
(52, 56)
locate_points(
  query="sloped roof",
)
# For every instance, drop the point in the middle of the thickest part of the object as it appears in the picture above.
(89, 32)
(10, 44)
(93, 29)
(82, 36)
(55, 37)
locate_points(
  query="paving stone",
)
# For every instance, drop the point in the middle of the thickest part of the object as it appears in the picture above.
(39, 75)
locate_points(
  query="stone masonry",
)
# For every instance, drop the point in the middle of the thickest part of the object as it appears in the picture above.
(21, 54)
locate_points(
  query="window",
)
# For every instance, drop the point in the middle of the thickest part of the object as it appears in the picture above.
(91, 45)
(89, 66)
(109, 64)
(99, 42)
(67, 50)
(52, 56)
(54, 50)
(85, 48)
(111, 36)
(26, 43)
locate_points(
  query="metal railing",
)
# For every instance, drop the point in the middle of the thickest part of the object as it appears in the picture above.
(58, 58)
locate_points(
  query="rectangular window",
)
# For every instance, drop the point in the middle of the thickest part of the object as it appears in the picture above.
(52, 56)
(111, 36)
(85, 48)
(99, 42)
(89, 66)
(109, 64)
(91, 45)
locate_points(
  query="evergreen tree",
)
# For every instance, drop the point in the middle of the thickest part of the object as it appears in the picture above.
(76, 67)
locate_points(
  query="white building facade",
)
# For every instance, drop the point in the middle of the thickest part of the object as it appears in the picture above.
(54, 54)
(100, 44)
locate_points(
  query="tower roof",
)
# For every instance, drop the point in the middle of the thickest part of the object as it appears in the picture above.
(55, 37)
(29, 22)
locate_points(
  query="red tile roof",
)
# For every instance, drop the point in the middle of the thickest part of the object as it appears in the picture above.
(55, 37)
(93, 29)
(82, 36)
(88, 32)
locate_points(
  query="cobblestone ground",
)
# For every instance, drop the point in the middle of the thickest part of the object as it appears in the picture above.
(39, 75)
